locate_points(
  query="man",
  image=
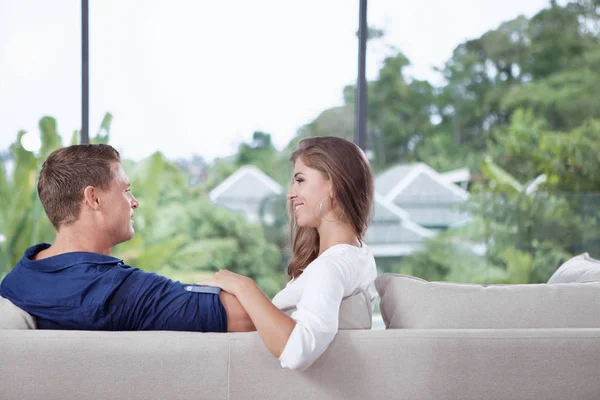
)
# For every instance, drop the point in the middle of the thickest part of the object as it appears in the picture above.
(75, 283)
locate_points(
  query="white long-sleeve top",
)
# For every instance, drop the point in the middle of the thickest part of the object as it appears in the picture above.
(317, 294)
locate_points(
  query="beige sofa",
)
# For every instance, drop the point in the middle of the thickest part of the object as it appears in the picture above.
(422, 359)
(394, 364)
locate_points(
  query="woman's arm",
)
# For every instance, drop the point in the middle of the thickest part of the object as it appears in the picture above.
(297, 342)
(317, 312)
(273, 326)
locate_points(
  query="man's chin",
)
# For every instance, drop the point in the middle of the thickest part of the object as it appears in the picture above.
(127, 237)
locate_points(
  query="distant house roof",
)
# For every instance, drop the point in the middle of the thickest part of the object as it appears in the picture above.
(244, 190)
(396, 180)
(425, 194)
(392, 233)
(248, 182)
(388, 180)
(457, 175)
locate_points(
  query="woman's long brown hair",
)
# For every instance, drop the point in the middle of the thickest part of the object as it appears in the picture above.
(346, 166)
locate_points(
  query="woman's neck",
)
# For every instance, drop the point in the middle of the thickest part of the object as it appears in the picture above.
(336, 232)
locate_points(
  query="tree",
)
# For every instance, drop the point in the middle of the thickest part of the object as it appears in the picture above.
(547, 64)
(564, 98)
(399, 113)
(478, 75)
(557, 39)
(260, 152)
(22, 218)
(336, 121)
(554, 215)
(529, 223)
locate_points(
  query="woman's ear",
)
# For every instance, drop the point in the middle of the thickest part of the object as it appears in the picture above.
(90, 197)
(332, 200)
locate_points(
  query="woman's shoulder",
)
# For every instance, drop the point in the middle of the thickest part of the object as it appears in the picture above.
(346, 258)
(353, 254)
(344, 248)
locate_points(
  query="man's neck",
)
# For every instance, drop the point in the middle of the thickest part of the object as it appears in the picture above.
(69, 240)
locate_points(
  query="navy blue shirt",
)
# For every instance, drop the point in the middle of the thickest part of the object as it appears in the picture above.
(91, 291)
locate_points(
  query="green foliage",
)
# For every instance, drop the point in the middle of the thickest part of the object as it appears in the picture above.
(572, 161)
(563, 99)
(261, 153)
(22, 218)
(399, 113)
(528, 229)
(337, 121)
(449, 256)
(441, 152)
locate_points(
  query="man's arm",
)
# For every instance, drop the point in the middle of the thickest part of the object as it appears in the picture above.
(237, 317)
(148, 301)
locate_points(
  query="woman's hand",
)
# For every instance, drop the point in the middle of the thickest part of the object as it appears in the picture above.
(273, 325)
(228, 281)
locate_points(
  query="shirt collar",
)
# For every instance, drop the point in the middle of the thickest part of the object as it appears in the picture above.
(65, 260)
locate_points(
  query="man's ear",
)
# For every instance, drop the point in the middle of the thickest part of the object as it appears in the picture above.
(90, 197)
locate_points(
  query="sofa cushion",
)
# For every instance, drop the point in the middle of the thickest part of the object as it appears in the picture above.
(582, 268)
(12, 317)
(356, 311)
(413, 303)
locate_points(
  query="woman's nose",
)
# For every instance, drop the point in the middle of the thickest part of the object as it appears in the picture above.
(290, 194)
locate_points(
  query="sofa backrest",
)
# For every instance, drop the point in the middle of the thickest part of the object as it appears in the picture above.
(412, 303)
(355, 313)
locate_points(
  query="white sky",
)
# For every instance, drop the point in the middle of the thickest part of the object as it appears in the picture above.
(198, 77)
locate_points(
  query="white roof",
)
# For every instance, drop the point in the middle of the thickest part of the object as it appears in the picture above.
(402, 216)
(457, 175)
(247, 171)
(392, 182)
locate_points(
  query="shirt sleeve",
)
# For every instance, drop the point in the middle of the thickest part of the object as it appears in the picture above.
(146, 301)
(317, 312)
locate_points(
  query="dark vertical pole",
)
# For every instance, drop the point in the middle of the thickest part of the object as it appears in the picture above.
(360, 125)
(85, 73)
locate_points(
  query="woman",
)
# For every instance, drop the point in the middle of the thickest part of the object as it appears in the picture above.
(330, 202)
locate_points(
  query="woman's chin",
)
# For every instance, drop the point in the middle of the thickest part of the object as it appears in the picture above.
(300, 223)
(305, 224)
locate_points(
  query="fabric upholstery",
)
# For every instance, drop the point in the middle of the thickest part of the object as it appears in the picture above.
(356, 311)
(406, 364)
(412, 303)
(582, 268)
(12, 317)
